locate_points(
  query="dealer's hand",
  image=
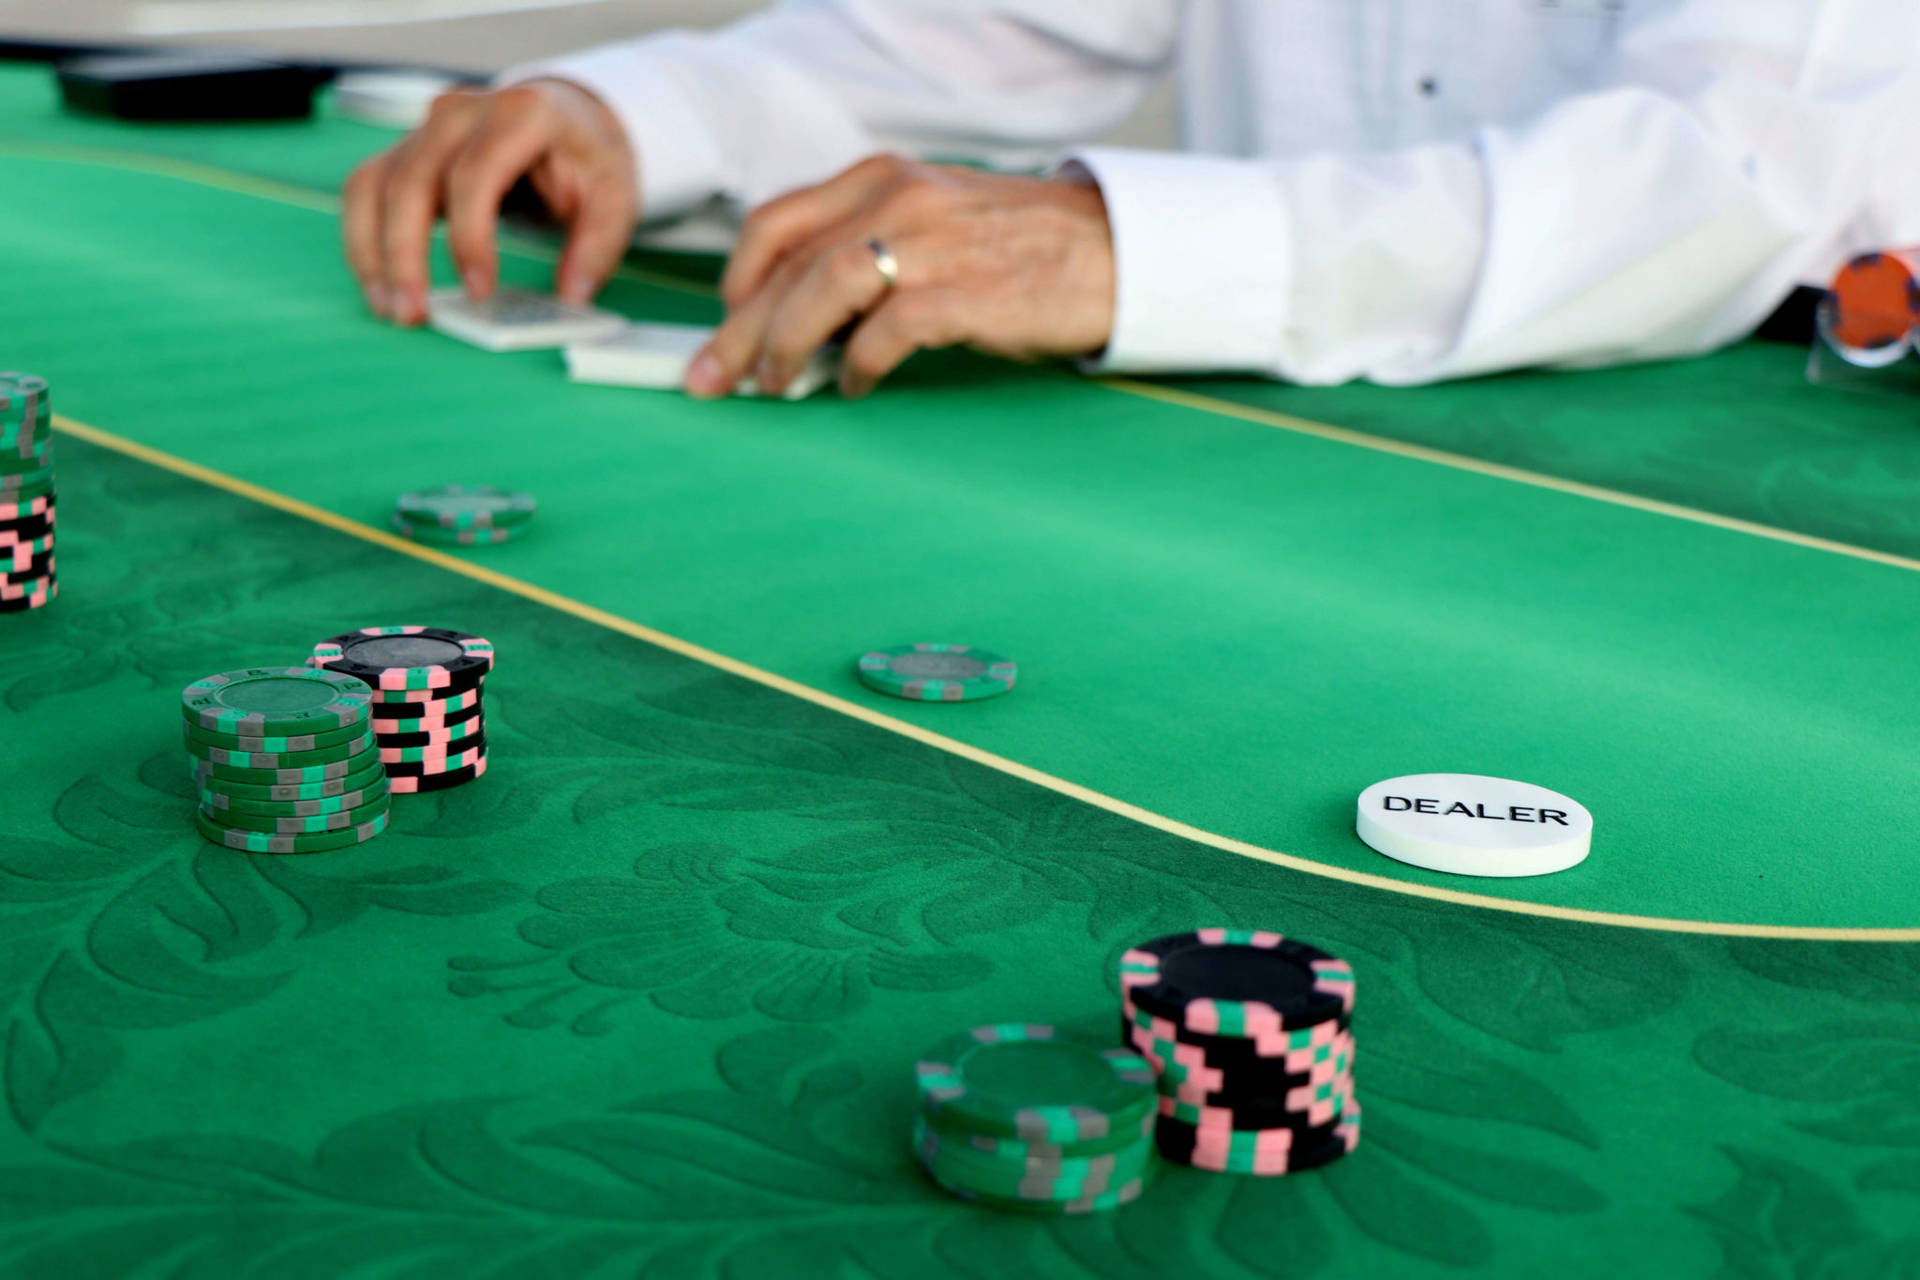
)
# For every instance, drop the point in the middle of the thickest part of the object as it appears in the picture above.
(1020, 267)
(472, 149)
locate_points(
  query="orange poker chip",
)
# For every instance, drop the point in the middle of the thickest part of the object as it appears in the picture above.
(1874, 302)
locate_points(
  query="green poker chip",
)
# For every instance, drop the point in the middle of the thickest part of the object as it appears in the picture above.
(306, 808)
(298, 825)
(1022, 1080)
(263, 842)
(332, 738)
(279, 761)
(465, 506)
(276, 701)
(369, 775)
(437, 536)
(937, 672)
(1029, 1177)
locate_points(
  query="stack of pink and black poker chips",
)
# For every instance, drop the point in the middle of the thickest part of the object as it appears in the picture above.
(427, 711)
(1251, 1036)
(27, 579)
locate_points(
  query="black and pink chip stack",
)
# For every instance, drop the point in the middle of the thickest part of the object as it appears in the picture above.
(427, 685)
(1251, 1036)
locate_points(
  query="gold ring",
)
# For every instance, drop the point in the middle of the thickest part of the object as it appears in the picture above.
(883, 258)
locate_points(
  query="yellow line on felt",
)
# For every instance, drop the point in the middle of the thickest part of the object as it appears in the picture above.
(1498, 471)
(879, 720)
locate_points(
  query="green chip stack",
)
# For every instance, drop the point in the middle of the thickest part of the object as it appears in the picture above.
(284, 760)
(27, 579)
(463, 515)
(1018, 1118)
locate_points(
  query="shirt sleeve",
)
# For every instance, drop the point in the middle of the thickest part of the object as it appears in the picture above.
(1665, 215)
(794, 95)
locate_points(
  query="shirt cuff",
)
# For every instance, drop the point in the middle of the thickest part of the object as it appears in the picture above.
(677, 156)
(1202, 260)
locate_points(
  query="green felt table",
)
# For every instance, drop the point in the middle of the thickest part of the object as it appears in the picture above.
(646, 999)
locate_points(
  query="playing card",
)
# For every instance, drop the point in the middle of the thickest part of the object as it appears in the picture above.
(517, 320)
(655, 356)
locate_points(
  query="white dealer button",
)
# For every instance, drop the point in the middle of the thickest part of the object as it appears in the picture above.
(1473, 825)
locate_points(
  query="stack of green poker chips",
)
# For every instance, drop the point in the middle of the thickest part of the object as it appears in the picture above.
(463, 515)
(1016, 1117)
(27, 577)
(284, 760)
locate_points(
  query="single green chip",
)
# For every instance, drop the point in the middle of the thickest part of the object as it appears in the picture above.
(307, 808)
(1029, 1178)
(276, 701)
(278, 745)
(289, 826)
(262, 842)
(17, 485)
(465, 506)
(1023, 1081)
(371, 774)
(279, 760)
(434, 534)
(951, 1134)
(937, 672)
(1124, 1194)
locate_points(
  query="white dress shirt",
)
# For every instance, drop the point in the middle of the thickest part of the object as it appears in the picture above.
(1400, 190)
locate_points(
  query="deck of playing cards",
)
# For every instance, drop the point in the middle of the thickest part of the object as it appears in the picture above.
(656, 356)
(517, 320)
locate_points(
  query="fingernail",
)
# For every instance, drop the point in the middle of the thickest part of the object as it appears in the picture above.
(576, 288)
(476, 281)
(379, 301)
(706, 376)
(766, 375)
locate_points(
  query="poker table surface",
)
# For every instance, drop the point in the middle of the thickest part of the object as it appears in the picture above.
(646, 999)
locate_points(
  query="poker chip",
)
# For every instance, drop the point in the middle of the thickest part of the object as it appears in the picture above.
(1266, 1153)
(283, 760)
(1236, 982)
(406, 658)
(1250, 1037)
(269, 701)
(298, 824)
(1870, 315)
(1473, 825)
(279, 761)
(1017, 1116)
(937, 672)
(402, 700)
(286, 743)
(431, 735)
(1061, 1178)
(426, 711)
(446, 710)
(25, 603)
(440, 781)
(474, 537)
(462, 506)
(297, 808)
(419, 761)
(264, 842)
(325, 788)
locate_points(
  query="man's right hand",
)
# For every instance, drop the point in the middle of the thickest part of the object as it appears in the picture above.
(473, 147)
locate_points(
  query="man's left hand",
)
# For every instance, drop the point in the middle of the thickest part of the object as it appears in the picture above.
(1020, 267)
